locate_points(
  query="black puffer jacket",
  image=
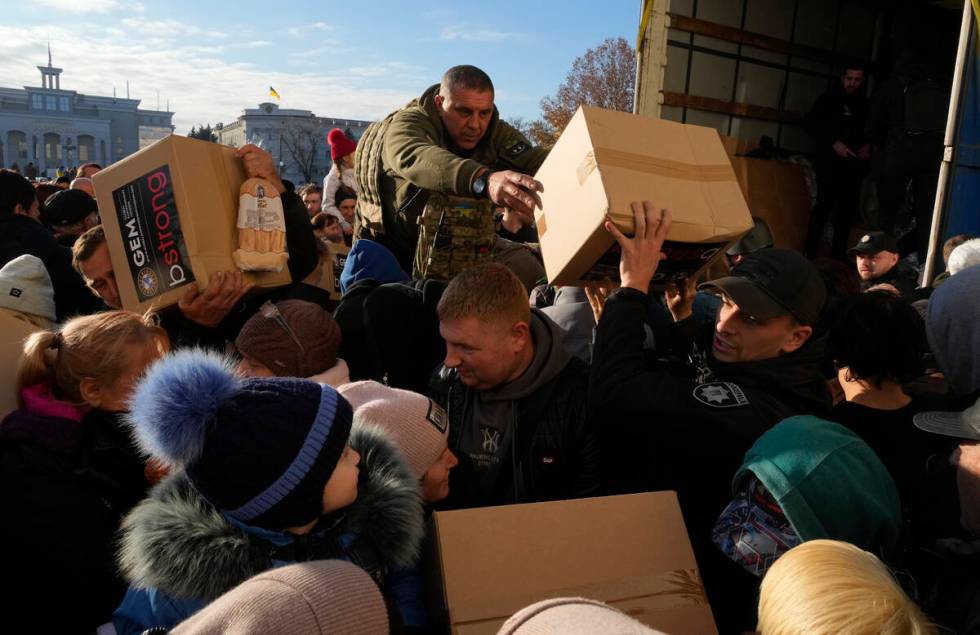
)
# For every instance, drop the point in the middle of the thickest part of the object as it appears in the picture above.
(554, 453)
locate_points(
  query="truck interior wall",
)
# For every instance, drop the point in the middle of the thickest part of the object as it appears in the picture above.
(873, 31)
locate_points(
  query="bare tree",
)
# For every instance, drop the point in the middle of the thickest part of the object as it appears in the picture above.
(520, 124)
(604, 77)
(303, 143)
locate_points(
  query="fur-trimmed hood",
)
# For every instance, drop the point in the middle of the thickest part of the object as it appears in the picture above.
(178, 543)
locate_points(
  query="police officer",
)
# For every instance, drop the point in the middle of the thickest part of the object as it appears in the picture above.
(878, 264)
(449, 141)
(688, 428)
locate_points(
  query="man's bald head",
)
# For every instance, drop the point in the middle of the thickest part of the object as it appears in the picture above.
(84, 184)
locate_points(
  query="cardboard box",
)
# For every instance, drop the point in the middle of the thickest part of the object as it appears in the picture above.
(602, 162)
(736, 146)
(776, 192)
(333, 266)
(170, 213)
(631, 552)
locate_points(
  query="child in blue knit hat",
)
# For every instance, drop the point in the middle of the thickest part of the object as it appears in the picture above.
(266, 473)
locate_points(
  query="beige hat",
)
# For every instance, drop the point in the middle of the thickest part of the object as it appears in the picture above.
(25, 286)
(415, 423)
(572, 616)
(326, 596)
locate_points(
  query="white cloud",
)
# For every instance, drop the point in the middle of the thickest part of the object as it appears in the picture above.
(469, 34)
(304, 30)
(201, 86)
(76, 6)
(168, 29)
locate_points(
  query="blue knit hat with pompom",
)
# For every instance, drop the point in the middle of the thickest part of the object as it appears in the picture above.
(260, 450)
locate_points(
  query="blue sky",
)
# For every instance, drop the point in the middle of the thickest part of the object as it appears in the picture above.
(357, 59)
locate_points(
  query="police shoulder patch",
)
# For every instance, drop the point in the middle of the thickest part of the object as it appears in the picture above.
(720, 394)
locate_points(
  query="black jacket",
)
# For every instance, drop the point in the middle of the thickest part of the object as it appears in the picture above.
(901, 276)
(21, 235)
(555, 450)
(688, 428)
(835, 115)
(64, 485)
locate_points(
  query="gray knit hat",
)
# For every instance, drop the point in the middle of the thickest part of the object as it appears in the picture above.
(326, 596)
(25, 286)
(572, 616)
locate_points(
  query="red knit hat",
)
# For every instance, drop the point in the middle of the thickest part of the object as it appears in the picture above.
(340, 144)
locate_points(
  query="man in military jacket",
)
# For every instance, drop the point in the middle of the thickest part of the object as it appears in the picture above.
(450, 141)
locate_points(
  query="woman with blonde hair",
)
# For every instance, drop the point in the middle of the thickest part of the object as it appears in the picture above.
(69, 470)
(828, 587)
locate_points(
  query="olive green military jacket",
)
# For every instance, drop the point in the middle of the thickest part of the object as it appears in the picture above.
(404, 157)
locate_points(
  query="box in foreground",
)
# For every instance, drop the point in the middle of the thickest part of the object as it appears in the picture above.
(631, 552)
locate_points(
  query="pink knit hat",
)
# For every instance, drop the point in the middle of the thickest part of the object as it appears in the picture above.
(572, 616)
(326, 596)
(415, 423)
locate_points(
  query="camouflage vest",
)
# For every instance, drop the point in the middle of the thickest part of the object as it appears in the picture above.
(455, 233)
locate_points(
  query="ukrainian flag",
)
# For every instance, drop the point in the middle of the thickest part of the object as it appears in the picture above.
(273, 93)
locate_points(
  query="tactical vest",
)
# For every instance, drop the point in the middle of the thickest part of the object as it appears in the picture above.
(455, 233)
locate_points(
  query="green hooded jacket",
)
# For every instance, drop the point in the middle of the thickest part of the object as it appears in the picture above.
(828, 482)
(404, 157)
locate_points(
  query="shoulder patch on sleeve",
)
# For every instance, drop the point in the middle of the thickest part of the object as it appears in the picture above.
(720, 394)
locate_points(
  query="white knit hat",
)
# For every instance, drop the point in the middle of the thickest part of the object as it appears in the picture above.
(25, 286)
(415, 423)
(326, 596)
(572, 616)
(965, 255)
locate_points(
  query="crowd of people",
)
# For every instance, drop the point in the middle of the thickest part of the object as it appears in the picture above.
(266, 461)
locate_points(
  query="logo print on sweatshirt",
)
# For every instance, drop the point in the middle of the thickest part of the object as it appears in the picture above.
(491, 439)
(720, 394)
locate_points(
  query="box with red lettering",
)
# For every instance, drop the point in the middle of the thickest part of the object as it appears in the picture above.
(170, 213)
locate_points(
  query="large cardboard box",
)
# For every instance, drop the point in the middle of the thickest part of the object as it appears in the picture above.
(602, 162)
(776, 192)
(631, 552)
(170, 214)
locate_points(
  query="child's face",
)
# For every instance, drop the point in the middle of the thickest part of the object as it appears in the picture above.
(341, 489)
(435, 481)
(114, 396)
(251, 367)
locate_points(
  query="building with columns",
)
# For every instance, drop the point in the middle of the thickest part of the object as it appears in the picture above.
(297, 139)
(49, 126)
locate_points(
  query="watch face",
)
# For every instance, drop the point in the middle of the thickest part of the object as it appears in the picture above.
(479, 185)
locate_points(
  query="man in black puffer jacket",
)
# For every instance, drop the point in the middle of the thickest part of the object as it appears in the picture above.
(516, 400)
(688, 428)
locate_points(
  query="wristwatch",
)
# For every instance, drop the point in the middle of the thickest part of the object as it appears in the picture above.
(480, 184)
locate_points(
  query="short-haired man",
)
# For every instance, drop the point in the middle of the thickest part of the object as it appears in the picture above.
(452, 141)
(312, 195)
(84, 184)
(688, 428)
(21, 233)
(200, 312)
(836, 123)
(878, 264)
(86, 170)
(516, 399)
